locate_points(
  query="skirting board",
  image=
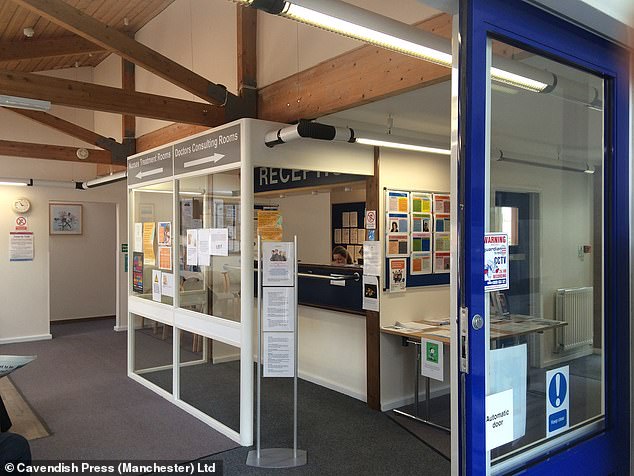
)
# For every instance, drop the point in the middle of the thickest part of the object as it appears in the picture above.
(332, 386)
(13, 340)
(401, 402)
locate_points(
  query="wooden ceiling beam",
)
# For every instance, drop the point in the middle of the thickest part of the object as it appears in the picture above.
(111, 39)
(52, 152)
(119, 151)
(46, 48)
(357, 77)
(71, 93)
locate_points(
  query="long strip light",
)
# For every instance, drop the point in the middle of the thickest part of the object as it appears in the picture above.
(369, 27)
(16, 182)
(401, 143)
(24, 103)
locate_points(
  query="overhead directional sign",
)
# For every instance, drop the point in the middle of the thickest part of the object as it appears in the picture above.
(150, 166)
(208, 150)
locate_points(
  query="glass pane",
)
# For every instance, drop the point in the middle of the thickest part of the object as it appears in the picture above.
(153, 351)
(210, 378)
(546, 189)
(152, 246)
(210, 244)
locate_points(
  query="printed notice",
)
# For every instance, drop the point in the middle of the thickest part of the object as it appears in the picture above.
(432, 359)
(398, 275)
(372, 258)
(138, 237)
(156, 285)
(203, 247)
(192, 247)
(164, 233)
(420, 263)
(421, 202)
(165, 257)
(278, 309)
(496, 262)
(270, 225)
(278, 264)
(9, 363)
(371, 293)
(137, 272)
(397, 202)
(167, 284)
(149, 229)
(337, 236)
(397, 245)
(21, 246)
(219, 242)
(279, 354)
(499, 419)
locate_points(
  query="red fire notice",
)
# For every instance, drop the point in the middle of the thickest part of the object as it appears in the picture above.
(496, 261)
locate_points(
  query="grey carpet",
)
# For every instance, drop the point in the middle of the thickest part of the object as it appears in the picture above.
(341, 434)
(79, 386)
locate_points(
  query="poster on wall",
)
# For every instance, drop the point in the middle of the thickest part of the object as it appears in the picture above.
(421, 223)
(21, 246)
(442, 262)
(372, 258)
(137, 272)
(278, 263)
(421, 202)
(397, 202)
(202, 245)
(156, 285)
(397, 245)
(219, 242)
(420, 263)
(397, 223)
(442, 223)
(496, 261)
(149, 229)
(421, 242)
(371, 293)
(398, 275)
(165, 257)
(164, 233)
(167, 284)
(442, 203)
(138, 237)
(270, 225)
(192, 247)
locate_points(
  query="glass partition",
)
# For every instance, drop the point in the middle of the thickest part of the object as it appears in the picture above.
(152, 246)
(153, 358)
(210, 378)
(209, 255)
(546, 193)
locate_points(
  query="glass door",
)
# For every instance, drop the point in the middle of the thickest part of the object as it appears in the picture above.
(544, 286)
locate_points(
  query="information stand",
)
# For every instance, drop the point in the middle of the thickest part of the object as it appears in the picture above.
(277, 331)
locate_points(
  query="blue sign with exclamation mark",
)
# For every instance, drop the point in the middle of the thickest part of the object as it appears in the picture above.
(557, 400)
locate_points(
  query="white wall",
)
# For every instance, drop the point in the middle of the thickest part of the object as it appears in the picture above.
(25, 313)
(82, 268)
(198, 34)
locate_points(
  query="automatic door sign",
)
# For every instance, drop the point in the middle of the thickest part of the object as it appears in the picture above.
(499, 419)
(496, 261)
(557, 401)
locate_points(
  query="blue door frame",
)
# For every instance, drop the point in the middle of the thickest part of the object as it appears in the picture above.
(518, 23)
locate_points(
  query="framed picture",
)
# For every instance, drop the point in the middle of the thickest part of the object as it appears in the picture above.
(65, 218)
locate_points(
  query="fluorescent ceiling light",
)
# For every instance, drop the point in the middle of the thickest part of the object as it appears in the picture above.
(24, 103)
(400, 143)
(369, 27)
(365, 34)
(512, 79)
(16, 182)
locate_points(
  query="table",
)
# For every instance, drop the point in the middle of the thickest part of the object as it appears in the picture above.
(513, 326)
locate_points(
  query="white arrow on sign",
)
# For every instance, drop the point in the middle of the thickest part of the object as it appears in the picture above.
(214, 158)
(141, 175)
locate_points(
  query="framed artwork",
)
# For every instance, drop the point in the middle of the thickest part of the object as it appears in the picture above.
(65, 218)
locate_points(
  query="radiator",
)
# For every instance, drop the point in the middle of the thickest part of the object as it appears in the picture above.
(574, 306)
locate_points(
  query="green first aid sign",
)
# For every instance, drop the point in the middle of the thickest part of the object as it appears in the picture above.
(431, 352)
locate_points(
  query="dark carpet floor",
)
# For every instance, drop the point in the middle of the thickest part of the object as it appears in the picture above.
(79, 386)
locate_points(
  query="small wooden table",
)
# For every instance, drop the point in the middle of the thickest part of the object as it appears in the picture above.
(511, 327)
